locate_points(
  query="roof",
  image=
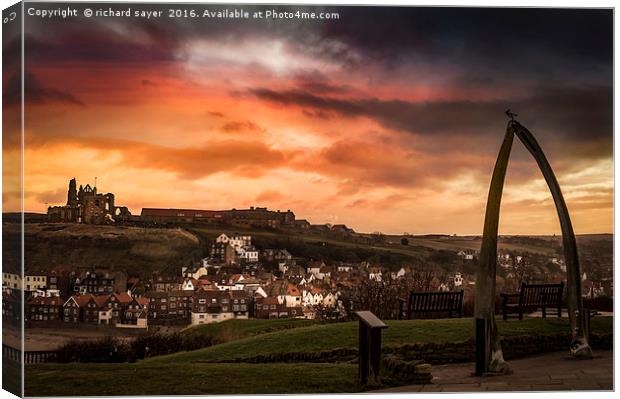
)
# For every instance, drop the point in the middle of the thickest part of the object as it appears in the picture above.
(142, 300)
(156, 294)
(46, 300)
(292, 290)
(80, 300)
(100, 300)
(270, 300)
(123, 297)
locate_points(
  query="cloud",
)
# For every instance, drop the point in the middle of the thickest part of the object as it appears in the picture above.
(269, 196)
(360, 165)
(241, 126)
(51, 196)
(567, 112)
(242, 158)
(35, 92)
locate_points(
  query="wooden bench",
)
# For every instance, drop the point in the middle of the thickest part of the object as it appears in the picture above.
(431, 302)
(534, 296)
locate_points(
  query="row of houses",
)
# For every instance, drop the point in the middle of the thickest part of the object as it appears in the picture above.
(118, 309)
(60, 281)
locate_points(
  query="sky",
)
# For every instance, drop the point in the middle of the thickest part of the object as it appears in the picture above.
(386, 119)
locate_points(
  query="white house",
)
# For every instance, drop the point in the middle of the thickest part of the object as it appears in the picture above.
(293, 296)
(458, 280)
(249, 254)
(374, 273)
(330, 299)
(314, 268)
(467, 254)
(189, 284)
(344, 267)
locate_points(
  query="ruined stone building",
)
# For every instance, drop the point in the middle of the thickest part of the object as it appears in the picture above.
(87, 206)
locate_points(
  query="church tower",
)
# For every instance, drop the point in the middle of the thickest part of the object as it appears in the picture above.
(72, 197)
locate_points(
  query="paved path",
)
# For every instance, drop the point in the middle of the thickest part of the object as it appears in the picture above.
(548, 372)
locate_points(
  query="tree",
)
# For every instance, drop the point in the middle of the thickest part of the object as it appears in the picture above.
(404, 241)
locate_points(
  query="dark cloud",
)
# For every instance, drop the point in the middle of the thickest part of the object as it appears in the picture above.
(492, 45)
(571, 113)
(35, 92)
(391, 33)
(146, 82)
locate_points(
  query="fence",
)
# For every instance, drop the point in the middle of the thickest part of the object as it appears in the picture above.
(33, 357)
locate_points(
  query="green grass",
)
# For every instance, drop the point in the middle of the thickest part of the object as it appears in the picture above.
(235, 329)
(187, 373)
(190, 379)
(329, 336)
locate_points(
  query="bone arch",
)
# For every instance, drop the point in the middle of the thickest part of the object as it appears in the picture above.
(485, 279)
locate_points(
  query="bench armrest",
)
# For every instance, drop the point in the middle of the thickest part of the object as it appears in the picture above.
(402, 300)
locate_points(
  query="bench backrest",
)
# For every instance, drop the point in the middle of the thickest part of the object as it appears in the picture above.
(540, 294)
(438, 301)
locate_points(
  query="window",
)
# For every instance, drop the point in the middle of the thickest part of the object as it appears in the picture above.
(202, 301)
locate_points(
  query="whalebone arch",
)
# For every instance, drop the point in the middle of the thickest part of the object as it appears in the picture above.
(489, 352)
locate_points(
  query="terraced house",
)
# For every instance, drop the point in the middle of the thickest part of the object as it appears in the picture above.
(211, 306)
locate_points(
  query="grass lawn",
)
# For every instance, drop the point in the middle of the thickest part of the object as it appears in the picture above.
(235, 329)
(329, 336)
(186, 373)
(190, 379)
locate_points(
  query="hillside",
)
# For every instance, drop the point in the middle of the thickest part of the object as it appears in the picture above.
(134, 249)
(143, 250)
(295, 358)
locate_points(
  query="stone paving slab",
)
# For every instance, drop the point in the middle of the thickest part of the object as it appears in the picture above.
(549, 372)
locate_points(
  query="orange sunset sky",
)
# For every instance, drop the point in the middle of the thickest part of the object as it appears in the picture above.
(385, 120)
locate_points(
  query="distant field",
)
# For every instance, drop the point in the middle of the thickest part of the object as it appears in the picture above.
(188, 373)
(418, 246)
